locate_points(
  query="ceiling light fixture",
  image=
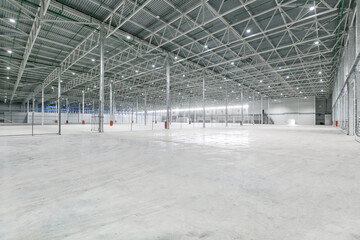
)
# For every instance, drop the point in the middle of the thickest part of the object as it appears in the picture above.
(312, 8)
(12, 20)
(8, 68)
(93, 60)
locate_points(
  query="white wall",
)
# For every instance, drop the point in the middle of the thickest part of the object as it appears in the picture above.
(300, 109)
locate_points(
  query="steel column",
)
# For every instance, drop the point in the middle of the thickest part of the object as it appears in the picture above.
(145, 112)
(242, 105)
(59, 101)
(226, 105)
(27, 111)
(111, 102)
(168, 91)
(137, 110)
(253, 108)
(42, 105)
(203, 75)
(101, 94)
(83, 105)
(262, 112)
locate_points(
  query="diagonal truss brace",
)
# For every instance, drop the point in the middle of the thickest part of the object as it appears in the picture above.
(34, 32)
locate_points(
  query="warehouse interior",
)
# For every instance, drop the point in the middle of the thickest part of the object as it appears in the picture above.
(179, 119)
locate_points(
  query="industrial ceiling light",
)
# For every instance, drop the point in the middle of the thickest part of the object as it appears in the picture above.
(7, 77)
(248, 30)
(73, 73)
(287, 76)
(261, 81)
(320, 72)
(157, 17)
(176, 58)
(232, 63)
(12, 20)
(128, 37)
(93, 60)
(312, 8)
(8, 68)
(300, 91)
(122, 76)
(136, 71)
(153, 65)
(183, 75)
(321, 80)
(281, 94)
(279, 67)
(322, 90)
(316, 42)
(206, 46)
(268, 86)
(305, 97)
(9, 51)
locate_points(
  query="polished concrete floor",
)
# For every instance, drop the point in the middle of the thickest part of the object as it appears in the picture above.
(244, 183)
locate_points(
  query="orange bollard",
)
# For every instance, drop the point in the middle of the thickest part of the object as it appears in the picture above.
(111, 123)
(83, 121)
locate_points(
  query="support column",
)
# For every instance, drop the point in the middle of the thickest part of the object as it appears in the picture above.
(262, 110)
(137, 110)
(242, 105)
(32, 116)
(42, 105)
(83, 107)
(357, 30)
(203, 99)
(79, 113)
(268, 110)
(357, 102)
(27, 111)
(226, 105)
(111, 104)
(168, 92)
(67, 110)
(189, 109)
(253, 108)
(145, 109)
(101, 94)
(59, 100)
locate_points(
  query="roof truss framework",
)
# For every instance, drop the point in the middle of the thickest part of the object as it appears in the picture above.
(274, 48)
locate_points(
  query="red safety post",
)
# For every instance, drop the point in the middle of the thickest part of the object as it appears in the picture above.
(83, 121)
(165, 125)
(155, 122)
(111, 123)
(67, 121)
(336, 123)
(241, 123)
(55, 121)
(189, 122)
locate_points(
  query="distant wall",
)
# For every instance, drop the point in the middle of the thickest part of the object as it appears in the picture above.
(300, 109)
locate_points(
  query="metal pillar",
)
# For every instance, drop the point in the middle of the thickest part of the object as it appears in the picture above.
(168, 92)
(253, 109)
(262, 111)
(226, 105)
(268, 111)
(242, 105)
(59, 100)
(67, 109)
(137, 110)
(27, 111)
(189, 108)
(203, 99)
(79, 113)
(42, 105)
(32, 118)
(101, 94)
(111, 102)
(357, 29)
(83, 106)
(145, 112)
